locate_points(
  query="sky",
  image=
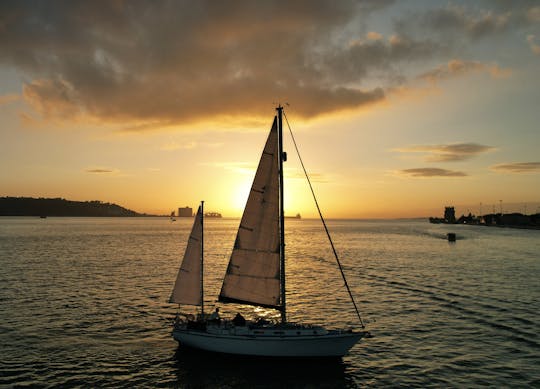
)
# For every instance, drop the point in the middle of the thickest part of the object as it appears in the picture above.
(398, 108)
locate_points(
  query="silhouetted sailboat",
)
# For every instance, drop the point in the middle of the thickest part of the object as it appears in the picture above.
(255, 276)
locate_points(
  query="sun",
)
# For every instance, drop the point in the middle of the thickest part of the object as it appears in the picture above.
(239, 195)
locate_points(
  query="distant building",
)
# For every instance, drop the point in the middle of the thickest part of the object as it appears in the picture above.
(185, 212)
(449, 215)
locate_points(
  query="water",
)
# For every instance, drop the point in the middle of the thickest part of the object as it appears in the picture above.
(83, 303)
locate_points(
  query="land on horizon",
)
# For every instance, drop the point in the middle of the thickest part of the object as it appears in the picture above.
(29, 206)
(41, 206)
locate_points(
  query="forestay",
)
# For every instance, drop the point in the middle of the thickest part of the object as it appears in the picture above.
(187, 288)
(253, 274)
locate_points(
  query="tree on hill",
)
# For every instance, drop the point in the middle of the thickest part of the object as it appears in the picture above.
(28, 206)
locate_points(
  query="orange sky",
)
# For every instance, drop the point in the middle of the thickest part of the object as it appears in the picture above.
(398, 108)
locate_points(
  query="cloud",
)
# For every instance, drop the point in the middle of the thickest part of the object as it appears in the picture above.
(313, 177)
(172, 146)
(374, 36)
(475, 25)
(247, 168)
(431, 172)
(363, 57)
(150, 65)
(457, 67)
(52, 98)
(533, 14)
(448, 153)
(468, 22)
(153, 64)
(517, 167)
(6, 99)
(532, 44)
(100, 171)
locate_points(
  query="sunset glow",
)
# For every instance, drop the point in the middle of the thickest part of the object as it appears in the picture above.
(399, 108)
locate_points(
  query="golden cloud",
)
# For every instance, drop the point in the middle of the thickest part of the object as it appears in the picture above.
(458, 67)
(448, 153)
(431, 172)
(6, 99)
(517, 167)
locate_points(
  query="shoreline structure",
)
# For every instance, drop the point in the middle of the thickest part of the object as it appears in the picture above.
(512, 220)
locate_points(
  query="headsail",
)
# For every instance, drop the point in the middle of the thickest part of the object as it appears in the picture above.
(253, 274)
(187, 288)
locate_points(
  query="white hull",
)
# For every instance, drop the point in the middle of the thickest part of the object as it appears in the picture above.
(327, 344)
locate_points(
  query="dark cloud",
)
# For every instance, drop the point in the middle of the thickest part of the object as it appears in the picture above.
(475, 25)
(535, 48)
(431, 172)
(147, 64)
(474, 21)
(448, 153)
(164, 62)
(363, 56)
(99, 171)
(533, 14)
(517, 167)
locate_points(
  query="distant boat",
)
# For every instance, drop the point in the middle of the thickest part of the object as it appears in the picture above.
(43, 217)
(255, 276)
(172, 217)
(451, 236)
(297, 216)
(212, 214)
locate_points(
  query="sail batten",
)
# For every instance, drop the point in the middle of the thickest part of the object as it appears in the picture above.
(253, 274)
(187, 287)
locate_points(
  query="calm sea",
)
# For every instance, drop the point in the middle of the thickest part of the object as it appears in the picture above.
(83, 302)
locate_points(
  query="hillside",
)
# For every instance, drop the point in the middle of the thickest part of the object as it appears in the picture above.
(28, 206)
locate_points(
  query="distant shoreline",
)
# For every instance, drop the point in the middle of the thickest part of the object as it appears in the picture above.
(58, 207)
(510, 220)
(85, 216)
(370, 220)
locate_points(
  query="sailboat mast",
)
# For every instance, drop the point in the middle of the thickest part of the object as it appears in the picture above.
(202, 259)
(281, 214)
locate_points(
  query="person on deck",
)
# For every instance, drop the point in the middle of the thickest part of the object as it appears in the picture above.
(215, 316)
(239, 320)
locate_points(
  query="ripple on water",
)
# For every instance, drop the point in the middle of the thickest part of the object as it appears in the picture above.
(83, 303)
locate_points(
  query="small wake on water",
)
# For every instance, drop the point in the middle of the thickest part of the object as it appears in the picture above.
(471, 309)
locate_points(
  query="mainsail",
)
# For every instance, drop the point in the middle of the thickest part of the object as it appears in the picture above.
(253, 274)
(187, 288)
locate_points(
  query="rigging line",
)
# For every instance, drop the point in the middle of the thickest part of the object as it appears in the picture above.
(323, 222)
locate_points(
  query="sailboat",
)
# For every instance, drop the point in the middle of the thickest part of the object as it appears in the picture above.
(255, 276)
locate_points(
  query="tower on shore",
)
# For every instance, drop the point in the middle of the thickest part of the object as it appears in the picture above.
(185, 212)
